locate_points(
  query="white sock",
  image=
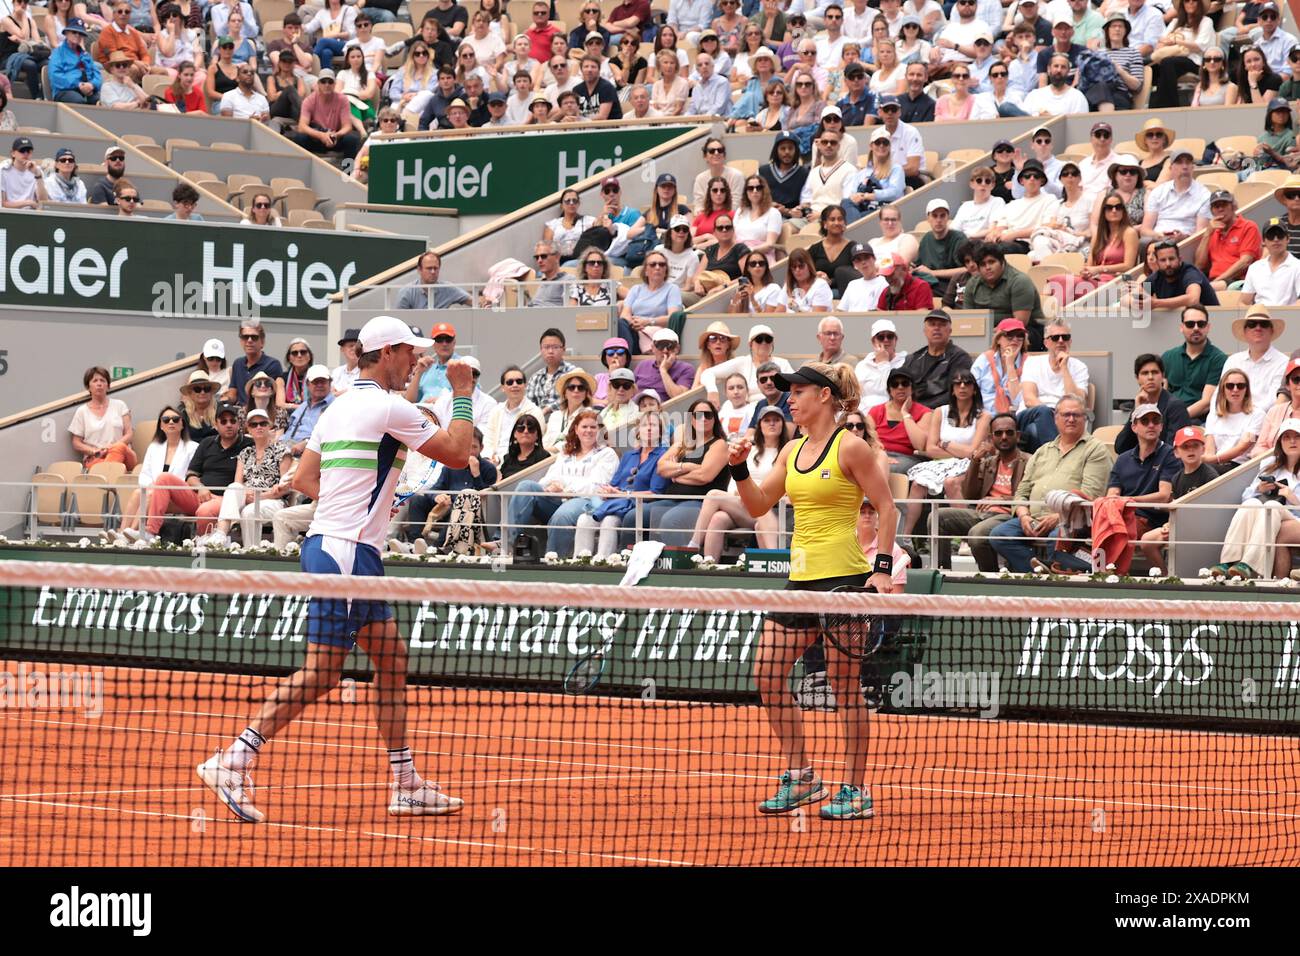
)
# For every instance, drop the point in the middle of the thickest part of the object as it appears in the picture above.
(404, 769)
(242, 754)
(802, 774)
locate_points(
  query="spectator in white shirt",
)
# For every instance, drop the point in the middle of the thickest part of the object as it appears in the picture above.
(830, 42)
(1013, 226)
(873, 371)
(244, 102)
(1148, 26)
(1274, 279)
(956, 42)
(1260, 360)
(712, 94)
(975, 216)
(1274, 42)
(863, 294)
(1178, 207)
(1058, 97)
(1095, 169)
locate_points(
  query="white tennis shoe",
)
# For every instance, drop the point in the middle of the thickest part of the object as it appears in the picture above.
(426, 800)
(232, 788)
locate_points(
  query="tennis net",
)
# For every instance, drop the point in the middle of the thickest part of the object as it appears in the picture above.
(1001, 731)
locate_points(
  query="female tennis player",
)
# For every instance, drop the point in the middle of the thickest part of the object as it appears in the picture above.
(825, 474)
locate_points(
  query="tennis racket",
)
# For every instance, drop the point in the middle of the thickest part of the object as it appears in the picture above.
(587, 671)
(856, 635)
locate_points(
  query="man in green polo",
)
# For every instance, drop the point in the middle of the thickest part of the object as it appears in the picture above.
(1193, 370)
(1006, 292)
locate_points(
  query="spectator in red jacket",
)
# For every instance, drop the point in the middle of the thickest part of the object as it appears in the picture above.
(905, 291)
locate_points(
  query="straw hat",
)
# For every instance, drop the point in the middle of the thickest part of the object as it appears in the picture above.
(1257, 312)
(1150, 126)
(564, 380)
(198, 377)
(1291, 185)
(719, 328)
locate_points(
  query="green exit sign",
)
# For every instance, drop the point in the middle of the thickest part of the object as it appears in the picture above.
(122, 371)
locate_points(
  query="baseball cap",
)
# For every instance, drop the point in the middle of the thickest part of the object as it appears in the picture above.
(1001, 144)
(385, 330)
(883, 325)
(665, 335)
(442, 328)
(622, 375)
(861, 249)
(1180, 152)
(646, 393)
(934, 204)
(832, 110)
(767, 410)
(1100, 125)
(852, 71)
(1062, 20)
(1290, 425)
(317, 372)
(1221, 196)
(885, 265)
(76, 25)
(214, 348)
(256, 413)
(225, 41)
(939, 315)
(983, 36)
(897, 374)
(610, 181)
(593, 35)
(22, 143)
(228, 408)
(64, 151)
(1009, 325)
(1291, 366)
(1277, 103)
(888, 101)
(879, 133)
(351, 335)
(496, 98)
(472, 362)
(114, 149)
(1144, 410)
(1275, 228)
(804, 375)
(1190, 433)
(678, 221)
(1041, 129)
(325, 74)
(666, 179)
(758, 330)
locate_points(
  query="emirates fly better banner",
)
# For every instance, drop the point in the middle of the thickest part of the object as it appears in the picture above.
(499, 174)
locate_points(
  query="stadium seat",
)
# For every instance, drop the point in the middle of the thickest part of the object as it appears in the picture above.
(1143, 95)
(963, 156)
(299, 197)
(91, 501)
(1229, 298)
(746, 167)
(142, 435)
(1275, 177)
(48, 500)
(156, 85)
(1072, 261)
(67, 470)
(1107, 434)
(194, 175)
(318, 223)
(1194, 144)
(1040, 273)
(236, 182)
(178, 142)
(801, 241)
(299, 217)
(1237, 144)
(1019, 261)
(279, 184)
(931, 160)
(277, 9)
(224, 147)
(1218, 180)
(392, 33)
(1252, 190)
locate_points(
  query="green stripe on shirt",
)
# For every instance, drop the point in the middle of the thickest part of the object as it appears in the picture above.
(366, 464)
(349, 446)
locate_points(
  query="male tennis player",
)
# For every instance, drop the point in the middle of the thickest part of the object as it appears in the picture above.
(350, 468)
(825, 475)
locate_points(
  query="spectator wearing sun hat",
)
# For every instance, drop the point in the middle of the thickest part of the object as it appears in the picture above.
(762, 349)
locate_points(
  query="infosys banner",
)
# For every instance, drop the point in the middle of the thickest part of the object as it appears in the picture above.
(499, 174)
(171, 268)
(1208, 671)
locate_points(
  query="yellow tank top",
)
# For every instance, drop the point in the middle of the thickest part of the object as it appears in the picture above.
(826, 503)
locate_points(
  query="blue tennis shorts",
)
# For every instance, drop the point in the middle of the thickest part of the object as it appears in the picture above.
(334, 621)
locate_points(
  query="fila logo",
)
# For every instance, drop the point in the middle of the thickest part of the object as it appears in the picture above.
(826, 474)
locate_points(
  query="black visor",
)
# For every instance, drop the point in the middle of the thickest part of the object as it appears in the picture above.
(804, 376)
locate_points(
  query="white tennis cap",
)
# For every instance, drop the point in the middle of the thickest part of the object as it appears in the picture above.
(883, 325)
(665, 335)
(214, 348)
(385, 330)
(318, 372)
(472, 362)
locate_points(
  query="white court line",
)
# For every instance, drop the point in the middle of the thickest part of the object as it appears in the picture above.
(1090, 801)
(371, 833)
(616, 745)
(270, 788)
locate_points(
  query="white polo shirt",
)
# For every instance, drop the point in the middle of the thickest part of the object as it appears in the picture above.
(863, 295)
(1095, 175)
(1280, 286)
(244, 107)
(872, 375)
(1026, 213)
(1051, 385)
(1047, 100)
(963, 34)
(1178, 210)
(1265, 375)
(906, 142)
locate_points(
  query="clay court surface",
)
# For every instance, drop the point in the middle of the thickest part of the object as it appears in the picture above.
(555, 780)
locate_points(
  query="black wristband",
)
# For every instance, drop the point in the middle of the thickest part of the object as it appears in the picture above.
(884, 564)
(740, 472)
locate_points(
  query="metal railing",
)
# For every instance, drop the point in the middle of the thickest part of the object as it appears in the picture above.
(71, 520)
(515, 294)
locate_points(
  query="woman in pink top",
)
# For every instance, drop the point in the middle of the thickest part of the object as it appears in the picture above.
(955, 107)
(1114, 251)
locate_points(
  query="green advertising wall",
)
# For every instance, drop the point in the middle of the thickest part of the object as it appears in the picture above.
(1219, 672)
(168, 268)
(499, 174)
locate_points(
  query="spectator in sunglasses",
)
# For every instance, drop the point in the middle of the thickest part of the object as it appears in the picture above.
(169, 452)
(261, 211)
(198, 402)
(525, 445)
(499, 425)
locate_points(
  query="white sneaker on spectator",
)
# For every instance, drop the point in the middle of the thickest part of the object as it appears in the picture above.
(398, 546)
(419, 546)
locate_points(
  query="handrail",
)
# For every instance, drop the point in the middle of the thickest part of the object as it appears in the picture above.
(139, 378)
